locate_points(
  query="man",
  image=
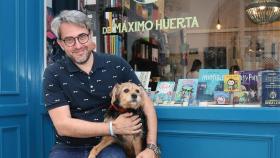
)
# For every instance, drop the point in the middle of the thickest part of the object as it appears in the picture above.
(77, 93)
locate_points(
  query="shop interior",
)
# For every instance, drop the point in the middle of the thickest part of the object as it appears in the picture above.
(248, 44)
(220, 33)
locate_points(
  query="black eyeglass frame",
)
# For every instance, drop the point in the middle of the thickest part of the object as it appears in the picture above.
(79, 38)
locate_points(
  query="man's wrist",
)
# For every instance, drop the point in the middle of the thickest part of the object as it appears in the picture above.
(111, 131)
(154, 148)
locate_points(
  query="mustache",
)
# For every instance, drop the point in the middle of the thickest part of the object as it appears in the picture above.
(83, 48)
(78, 50)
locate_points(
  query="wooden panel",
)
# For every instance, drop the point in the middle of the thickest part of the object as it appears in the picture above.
(208, 145)
(13, 53)
(11, 140)
(9, 52)
(199, 132)
(14, 137)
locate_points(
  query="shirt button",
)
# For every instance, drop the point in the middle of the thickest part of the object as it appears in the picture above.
(91, 86)
(88, 77)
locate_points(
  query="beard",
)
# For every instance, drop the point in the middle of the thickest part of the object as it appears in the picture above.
(81, 59)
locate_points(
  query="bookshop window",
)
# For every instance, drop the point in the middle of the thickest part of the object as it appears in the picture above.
(229, 49)
(236, 43)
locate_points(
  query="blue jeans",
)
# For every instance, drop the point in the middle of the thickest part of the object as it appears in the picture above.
(65, 151)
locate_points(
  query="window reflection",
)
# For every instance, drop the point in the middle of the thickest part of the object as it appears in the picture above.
(166, 37)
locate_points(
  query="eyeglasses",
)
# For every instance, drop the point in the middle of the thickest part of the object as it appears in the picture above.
(71, 41)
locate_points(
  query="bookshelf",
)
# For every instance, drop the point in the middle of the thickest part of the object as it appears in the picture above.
(113, 43)
(142, 49)
(145, 57)
(118, 12)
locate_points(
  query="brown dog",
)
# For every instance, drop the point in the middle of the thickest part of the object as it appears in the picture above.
(126, 97)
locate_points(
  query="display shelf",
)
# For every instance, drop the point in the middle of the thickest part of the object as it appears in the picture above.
(244, 114)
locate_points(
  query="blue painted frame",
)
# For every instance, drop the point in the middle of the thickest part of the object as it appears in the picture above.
(192, 132)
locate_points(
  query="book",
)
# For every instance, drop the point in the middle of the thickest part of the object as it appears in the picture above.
(222, 97)
(209, 81)
(249, 87)
(144, 78)
(232, 83)
(164, 92)
(186, 91)
(271, 89)
(241, 97)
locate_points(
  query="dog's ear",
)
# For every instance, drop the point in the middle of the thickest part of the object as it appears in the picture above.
(142, 90)
(115, 93)
(143, 94)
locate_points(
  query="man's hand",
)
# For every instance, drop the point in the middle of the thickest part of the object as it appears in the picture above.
(127, 124)
(147, 153)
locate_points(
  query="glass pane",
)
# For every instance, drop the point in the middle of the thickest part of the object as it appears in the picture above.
(166, 37)
(175, 39)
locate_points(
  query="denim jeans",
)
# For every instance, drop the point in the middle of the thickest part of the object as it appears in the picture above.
(65, 151)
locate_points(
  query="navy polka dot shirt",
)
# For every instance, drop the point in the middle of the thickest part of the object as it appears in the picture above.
(88, 95)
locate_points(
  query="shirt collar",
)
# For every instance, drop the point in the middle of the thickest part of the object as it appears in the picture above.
(99, 62)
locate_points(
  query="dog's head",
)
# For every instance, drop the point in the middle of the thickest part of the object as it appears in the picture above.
(127, 95)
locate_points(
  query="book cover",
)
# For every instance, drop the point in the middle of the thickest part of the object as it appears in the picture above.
(210, 80)
(232, 83)
(249, 84)
(221, 97)
(201, 90)
(186, 91)
(164, 92)
(271, 89)
(241, 97)
(144, 78)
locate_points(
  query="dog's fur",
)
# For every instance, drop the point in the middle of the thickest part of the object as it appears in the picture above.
(126, 97)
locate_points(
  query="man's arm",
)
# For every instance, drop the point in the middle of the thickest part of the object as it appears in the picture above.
(72, 127)
(151, 116)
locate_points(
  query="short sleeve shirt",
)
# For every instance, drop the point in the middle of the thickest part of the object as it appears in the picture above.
(88, 95)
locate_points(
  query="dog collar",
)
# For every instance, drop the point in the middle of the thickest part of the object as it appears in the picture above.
(117, 108)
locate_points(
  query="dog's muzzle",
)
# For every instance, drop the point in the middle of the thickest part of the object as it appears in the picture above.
(134, 97)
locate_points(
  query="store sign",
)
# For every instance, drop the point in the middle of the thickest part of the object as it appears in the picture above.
(145, 1)
(161, 24)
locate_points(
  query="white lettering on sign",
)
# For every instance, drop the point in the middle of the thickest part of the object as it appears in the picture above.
(166, 24)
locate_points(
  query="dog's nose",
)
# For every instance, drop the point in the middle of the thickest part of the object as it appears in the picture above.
(134, 96)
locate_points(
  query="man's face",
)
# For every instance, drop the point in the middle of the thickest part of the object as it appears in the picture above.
(79, 50)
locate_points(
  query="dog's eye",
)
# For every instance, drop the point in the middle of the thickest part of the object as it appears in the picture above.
(137, 91)
(126, 90)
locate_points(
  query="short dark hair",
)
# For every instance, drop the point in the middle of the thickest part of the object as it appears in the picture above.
(196, 65)
(234, 68)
